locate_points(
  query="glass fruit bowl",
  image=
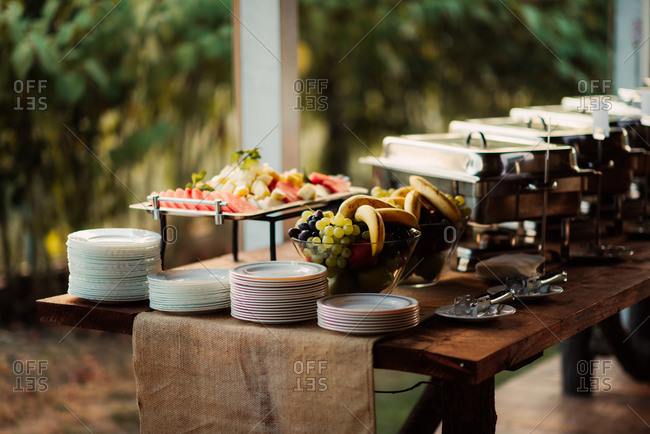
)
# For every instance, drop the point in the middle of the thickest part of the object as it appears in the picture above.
(433, 251)
(353, 267)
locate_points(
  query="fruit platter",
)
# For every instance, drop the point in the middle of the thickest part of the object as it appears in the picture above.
(373, 241)
(442, 220)
(249, 189)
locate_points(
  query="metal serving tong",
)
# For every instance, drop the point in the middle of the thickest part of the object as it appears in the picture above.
(466, 305)
(528, 285)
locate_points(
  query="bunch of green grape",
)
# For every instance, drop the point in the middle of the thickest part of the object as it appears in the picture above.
(329, 236)
(460, 202)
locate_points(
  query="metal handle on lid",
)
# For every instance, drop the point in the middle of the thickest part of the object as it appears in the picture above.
(529, 124)
(469, 138)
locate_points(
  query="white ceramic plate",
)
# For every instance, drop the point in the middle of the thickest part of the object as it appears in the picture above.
(278, 302)
(368, 318)
(278, 295)
(278, 285)
(272, 320)
(368, 325)
(106, 298)
(359, 331)
(191, 277)
(278, 271)
(367, 303)
(123, 238)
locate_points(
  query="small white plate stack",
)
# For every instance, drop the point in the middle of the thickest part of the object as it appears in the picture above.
(368, 313)
(189, 291)
(276, 292)
(111, 265)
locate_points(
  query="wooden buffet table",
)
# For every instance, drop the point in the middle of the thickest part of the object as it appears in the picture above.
(464, 356)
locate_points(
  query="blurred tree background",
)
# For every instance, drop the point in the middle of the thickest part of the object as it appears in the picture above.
(138, 95)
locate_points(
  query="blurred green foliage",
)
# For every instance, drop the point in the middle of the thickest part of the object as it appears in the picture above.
(139, 95)
(416, 67)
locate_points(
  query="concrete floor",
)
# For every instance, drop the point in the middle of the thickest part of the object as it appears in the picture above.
(533, 402)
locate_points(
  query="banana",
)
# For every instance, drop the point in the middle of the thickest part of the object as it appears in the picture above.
(394, 215)
(370, 216)
(413, 203)
(396, 201)
(438, 199)
(402, 191)
(349, 206)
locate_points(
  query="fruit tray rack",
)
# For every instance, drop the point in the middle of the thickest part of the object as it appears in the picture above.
(271, 215)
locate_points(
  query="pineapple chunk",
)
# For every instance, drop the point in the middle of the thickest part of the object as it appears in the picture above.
(259, 189)
(265, 178)
(241, 190)
(277, 195)
(228, 187)
(321, 191)
(307, 192)
(295, 179)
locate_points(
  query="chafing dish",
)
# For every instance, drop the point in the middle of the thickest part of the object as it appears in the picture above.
(502, 179)
(576, 114)
(622, 114)
(613, 157)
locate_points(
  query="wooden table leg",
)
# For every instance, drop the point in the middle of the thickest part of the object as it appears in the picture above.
(468, 408)
(427, 413)
(576, 364)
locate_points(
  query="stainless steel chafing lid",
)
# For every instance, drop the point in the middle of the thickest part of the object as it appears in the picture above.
(455, 157)
(587, 103)
(557, 114)
(531, 129)
(536, 128)
(632, 96)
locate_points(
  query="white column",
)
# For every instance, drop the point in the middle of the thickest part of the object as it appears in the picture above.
(265, 56)
(629, 46)
(645, 50)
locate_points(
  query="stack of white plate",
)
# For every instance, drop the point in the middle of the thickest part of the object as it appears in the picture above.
(111, 265)
(189, 291)
(368, 313)
(276, 292)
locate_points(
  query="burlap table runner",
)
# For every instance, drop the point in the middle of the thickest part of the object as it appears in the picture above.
(213, 373)
(217, 374)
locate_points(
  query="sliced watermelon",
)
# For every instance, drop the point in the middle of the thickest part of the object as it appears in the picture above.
(237, 204)
(214, 195)
(290, 191)
(168, 193)
(334, 184)
(198, 194)
(180, 194)
(317, 178)
(337, 185)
